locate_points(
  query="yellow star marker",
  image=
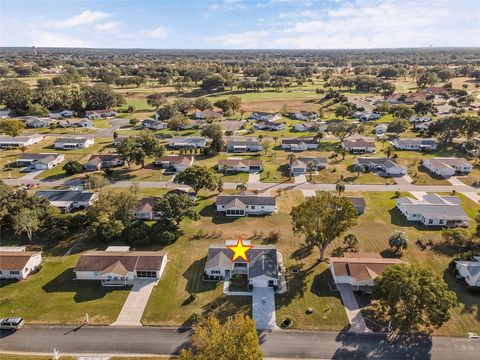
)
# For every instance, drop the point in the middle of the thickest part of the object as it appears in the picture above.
(239, 250)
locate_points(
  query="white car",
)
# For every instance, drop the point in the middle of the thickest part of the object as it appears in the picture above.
(12, 323)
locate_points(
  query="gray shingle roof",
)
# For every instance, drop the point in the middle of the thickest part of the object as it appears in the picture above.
(247, 199)
(65, 195)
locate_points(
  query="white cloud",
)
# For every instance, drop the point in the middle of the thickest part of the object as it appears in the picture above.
(52, 39)
(228, 5)
(366, 24)
(158, 33)
(111, 27)
(86, 17)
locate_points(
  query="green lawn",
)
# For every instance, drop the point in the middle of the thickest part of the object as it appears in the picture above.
(52, 296)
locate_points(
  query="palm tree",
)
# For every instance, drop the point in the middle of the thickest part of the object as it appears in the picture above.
(275, 139)
(291, 157)
(358, 168)
(241, 187)
(340, 187)
(228, 133)
(310, 166)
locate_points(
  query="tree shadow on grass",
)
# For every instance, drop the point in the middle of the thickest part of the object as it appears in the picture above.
(216, 216)
(85, 290)
(470, 299)
(302, 252)
(297, 281)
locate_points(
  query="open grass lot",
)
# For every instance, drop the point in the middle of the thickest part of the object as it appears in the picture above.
(52, 296)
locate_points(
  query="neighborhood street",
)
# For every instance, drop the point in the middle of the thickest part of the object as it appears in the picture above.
(276, 344)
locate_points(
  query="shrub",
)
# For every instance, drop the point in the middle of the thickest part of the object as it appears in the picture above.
(109, 231)
(398, 241)
(272, 238)
(351, 242)
(165, 232)
(138, 234)
(72, 167)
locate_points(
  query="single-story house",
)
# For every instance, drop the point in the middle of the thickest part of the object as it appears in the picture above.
(447, 167)
(366, 115)
(67, 200)
(359, 269)
(9, 142)
(239, 165)
(16, 263)
(154, 124)
(208, 115)
(60, 113)
(98, 114)
(299, 166)
(359, 204)
(381, 129)
(473, 152)
(419, 119)
(415, 97)
(40, 161)
(178, 162)
(262, 268)
(297, 144)
(422, 126)
(37, 123)
(435, 90)
(264, 116)
(245, 144)
(74, 142)
(303, 127)
(120, 268)
(384, 165)
(359, 145)
(4, 113)
(246, 203)
(79, 123)
(103, 161)
(469, 271)
(187, 142)
(144, 209)
(417, 144)
(434, 210)
(304, 116)
(269, 125)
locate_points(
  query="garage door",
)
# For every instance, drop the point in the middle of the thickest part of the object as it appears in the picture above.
(147, 274)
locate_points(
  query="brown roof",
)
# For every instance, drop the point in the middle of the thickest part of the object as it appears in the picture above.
(359, 142)
(15, 260)
(146, 204)
(98, 158)
(362, 267)
(130, 261)
(176, 159)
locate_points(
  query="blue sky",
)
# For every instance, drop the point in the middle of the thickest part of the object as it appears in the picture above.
(282, 24)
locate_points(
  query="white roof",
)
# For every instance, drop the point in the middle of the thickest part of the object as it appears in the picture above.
(118, 248)
(13, 248)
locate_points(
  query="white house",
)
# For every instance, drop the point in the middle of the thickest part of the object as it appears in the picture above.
(359, 145)
(298, 144)
(269, 125)
(16, 263)
(67, 200)
(103, 161)
(359, 269)
(40, 161)
(384, 165)
(178, 162)
(74, 142)
(208, 115)
(144, 209)
(61, 113)
(434, 210)
(304, 116)
(78, 123)
(244, 144)
(419, 119)
(304, 127)
(262, 268)
(246, 203)
(4, 113)
(154, 124)
(187, 142)
(37, 123)
(417, 144)
(366, 115)
(11, 142)
(239, 165)
(98, 114)
(447, 167)
(299, 166)
(381, 129)
(120, 268)
(469, 271)
(264, 116)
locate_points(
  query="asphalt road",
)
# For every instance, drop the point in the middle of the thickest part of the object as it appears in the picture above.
(278, 344)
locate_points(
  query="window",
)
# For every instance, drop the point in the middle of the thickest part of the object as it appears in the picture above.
(252, 207)
(147, 274)
(14, 272)
(440, 222)
(430, 221)
(240, 265)
(215, 271)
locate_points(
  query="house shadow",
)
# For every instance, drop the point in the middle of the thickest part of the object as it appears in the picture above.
(381, 346)
(296, 284)
(217, 217)
(470, 299)
(398, 219)
(320, 284)
(85, 290)
(4, 283)
(390, 254)
(194, 277)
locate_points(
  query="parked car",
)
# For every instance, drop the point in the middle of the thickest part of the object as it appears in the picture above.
(12, 323)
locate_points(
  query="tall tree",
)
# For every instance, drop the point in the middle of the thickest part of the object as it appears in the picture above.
(236, 339)
(15, 94)
(156, 100)
(11, 127)
(198, 178)
(176, 207)
(202, 104)
(26, 221)
(323, 218)
(215, 133)
(412, 298)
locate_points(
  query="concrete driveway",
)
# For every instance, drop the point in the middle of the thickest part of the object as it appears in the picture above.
(135, 304)
(263, 308)
(357, 323)
(300, 179)
(254, 177)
